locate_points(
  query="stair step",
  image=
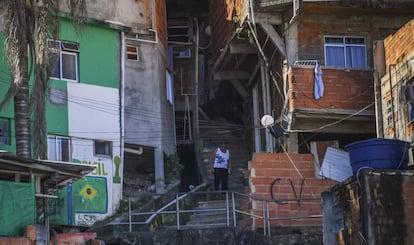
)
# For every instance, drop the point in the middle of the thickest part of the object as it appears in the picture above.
(216, 219)
(212, 204)
(197, 226)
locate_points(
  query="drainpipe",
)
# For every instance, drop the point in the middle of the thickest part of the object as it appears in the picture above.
(196, 116)
(122, 107)
(392, 98)
(197, 145)
(380, 70)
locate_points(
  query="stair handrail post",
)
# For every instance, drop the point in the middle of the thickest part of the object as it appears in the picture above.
(234, 209)
(227, 209)
(129, 215)
(177, 210)
(268, 219)
(264, 217)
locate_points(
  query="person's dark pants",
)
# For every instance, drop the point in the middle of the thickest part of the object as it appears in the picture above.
(220, 176)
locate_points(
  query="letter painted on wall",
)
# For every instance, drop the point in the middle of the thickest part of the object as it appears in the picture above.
(117, 178)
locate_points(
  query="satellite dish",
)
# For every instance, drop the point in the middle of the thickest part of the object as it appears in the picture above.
(267, 121)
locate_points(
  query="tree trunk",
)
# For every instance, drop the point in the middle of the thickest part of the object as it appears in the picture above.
(22, 120)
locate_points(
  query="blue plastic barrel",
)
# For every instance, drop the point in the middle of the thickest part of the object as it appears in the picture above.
(378, 153)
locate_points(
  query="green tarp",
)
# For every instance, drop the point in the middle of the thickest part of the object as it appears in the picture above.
(17, 207)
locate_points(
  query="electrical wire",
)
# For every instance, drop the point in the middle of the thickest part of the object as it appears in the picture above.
(333, 123)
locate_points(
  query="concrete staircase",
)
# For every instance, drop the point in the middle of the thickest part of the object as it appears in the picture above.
(211, 214)
(212, 134)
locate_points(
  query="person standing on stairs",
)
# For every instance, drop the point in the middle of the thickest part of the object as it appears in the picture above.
(220, 159)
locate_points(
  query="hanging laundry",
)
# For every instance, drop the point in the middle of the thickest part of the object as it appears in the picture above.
(318, 87)
(230, 8)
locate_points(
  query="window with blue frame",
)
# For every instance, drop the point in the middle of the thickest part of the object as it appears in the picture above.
(347, 52)
(64, 57)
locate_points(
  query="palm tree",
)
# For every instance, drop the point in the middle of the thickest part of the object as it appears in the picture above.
(28, 26)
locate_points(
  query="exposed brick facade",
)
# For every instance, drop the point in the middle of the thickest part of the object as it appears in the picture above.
(264, 168)
(315, 24)
(344, 89)
(161, 21)
(221, 29)
(399, 56)
(400, 44)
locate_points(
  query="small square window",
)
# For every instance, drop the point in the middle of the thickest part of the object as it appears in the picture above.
(103, 148)
(4, 131)
(132, 53)
(58, 148)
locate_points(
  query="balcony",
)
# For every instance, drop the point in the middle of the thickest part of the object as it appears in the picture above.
(348, 97)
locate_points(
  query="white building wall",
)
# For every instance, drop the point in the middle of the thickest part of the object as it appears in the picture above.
(94, 115)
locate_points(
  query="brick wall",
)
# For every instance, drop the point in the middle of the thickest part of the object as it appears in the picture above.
(400, 44)
(399, 54)
(344, 89)
(264, 168)
(315, 24)
(161, 21)
(221, 29)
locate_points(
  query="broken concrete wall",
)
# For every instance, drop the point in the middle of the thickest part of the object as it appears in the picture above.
(37, 235)
(135, 14)
(377, 209)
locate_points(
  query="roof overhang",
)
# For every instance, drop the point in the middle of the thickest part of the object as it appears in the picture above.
(59, 173)
(332, 121)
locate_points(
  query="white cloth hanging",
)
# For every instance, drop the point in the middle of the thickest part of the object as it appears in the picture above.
(318, 88)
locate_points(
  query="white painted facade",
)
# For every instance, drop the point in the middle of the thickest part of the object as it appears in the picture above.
(94, 114)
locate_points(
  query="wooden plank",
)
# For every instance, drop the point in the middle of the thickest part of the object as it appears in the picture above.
(240, 88)
(218, 64)
(274, 37)
(231, 75)
(242, 48)
(253, 75)
(273, 18)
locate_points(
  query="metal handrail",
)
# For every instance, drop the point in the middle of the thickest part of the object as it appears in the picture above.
(264, 207)
(265, 210)
(179, 209)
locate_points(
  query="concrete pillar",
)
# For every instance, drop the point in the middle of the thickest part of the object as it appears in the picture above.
(292, 143)
(256, 118)
(291, 40)
(159, 170)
